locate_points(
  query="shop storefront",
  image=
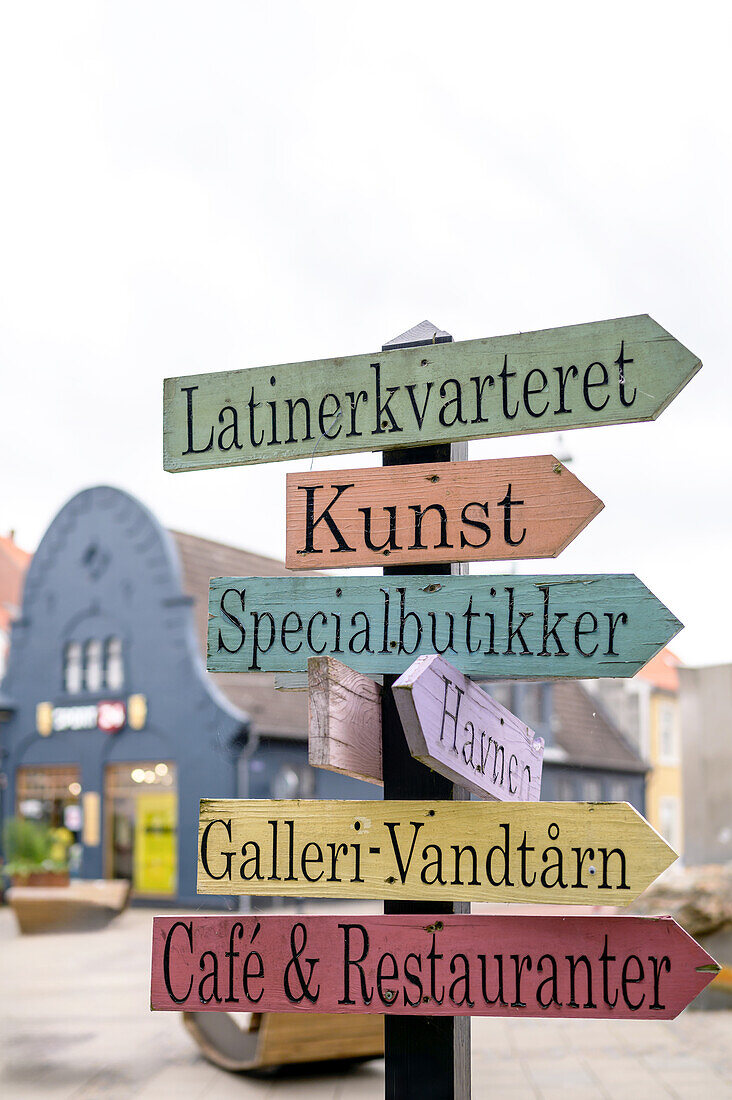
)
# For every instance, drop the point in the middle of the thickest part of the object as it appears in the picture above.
(141, 811)
(112, 730)
(50, 795)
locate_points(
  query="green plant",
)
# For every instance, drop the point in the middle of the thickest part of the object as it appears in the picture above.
(28, 847)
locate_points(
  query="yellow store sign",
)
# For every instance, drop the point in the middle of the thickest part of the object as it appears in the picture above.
(156, 843)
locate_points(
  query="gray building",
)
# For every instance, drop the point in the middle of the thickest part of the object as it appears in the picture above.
(586, 757)
(111, 728)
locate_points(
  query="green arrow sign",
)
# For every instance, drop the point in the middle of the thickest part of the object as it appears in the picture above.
(535, 627)
(607, 372)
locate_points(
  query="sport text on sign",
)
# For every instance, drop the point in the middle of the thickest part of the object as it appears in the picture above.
(580, 853)
(530, 627)
(606, 372)
(454, 727)
(641, 968)
(436, 512)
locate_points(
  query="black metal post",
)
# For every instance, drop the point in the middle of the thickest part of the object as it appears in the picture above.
(426, 1056)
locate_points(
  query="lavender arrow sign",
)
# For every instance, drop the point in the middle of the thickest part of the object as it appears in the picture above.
(458, 730)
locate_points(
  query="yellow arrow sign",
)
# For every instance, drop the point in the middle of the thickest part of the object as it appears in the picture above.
(564, 852)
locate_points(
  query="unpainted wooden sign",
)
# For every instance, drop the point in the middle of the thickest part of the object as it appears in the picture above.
(458, 730)
(640, 968)
(580, 853)
(606, 372)
(344, 720)
(516, 627)
(488, 510)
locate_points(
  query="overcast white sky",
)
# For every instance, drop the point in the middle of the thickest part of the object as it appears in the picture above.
(186, 188)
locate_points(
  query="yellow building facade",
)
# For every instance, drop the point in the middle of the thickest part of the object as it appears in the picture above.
(646, 710)
(664, 782)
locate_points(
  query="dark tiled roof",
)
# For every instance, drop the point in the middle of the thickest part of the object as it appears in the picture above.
(273, 713)
(586, 733)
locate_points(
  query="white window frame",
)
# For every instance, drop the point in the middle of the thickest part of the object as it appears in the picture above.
(668, 733)
(670, 805)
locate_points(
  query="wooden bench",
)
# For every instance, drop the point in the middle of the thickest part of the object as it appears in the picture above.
(82, 906)
(284, 1038)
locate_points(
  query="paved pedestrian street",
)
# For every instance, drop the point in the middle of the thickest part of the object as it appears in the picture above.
(76, 1026)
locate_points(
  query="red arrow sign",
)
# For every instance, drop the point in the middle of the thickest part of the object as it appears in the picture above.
(570, 967)
(455, 728)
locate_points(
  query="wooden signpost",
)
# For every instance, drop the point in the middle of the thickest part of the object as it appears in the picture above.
(573, 853)
(642, 968)
(453, 726)
(606, 372)
(426, 964)
(344, 720)
(432, 1054)
(467, 511)
(526, 627)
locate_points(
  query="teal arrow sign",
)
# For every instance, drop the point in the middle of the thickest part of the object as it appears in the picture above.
(607, 372)
(534, 627)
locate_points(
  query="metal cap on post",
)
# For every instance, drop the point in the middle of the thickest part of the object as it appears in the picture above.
(425, 1056)
(418, 337)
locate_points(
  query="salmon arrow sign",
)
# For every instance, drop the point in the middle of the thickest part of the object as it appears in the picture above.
(435, 512)
(573, 853)
(455, 728)
(642, 968)
(516, 627)
(606, 372)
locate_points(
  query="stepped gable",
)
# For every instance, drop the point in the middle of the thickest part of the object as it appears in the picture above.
(272, 713)
(587, 734)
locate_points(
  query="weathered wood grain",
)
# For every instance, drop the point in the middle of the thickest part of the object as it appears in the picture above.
(638, 968)
(298, 681)
(454, 727)
(605, 372)
(488, 510)
(344, 720)
(291, 681)
(279, 1039)
(578, 853)
(522, 627)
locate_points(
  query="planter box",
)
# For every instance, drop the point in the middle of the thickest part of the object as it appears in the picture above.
(82, 906)
(42, 878)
